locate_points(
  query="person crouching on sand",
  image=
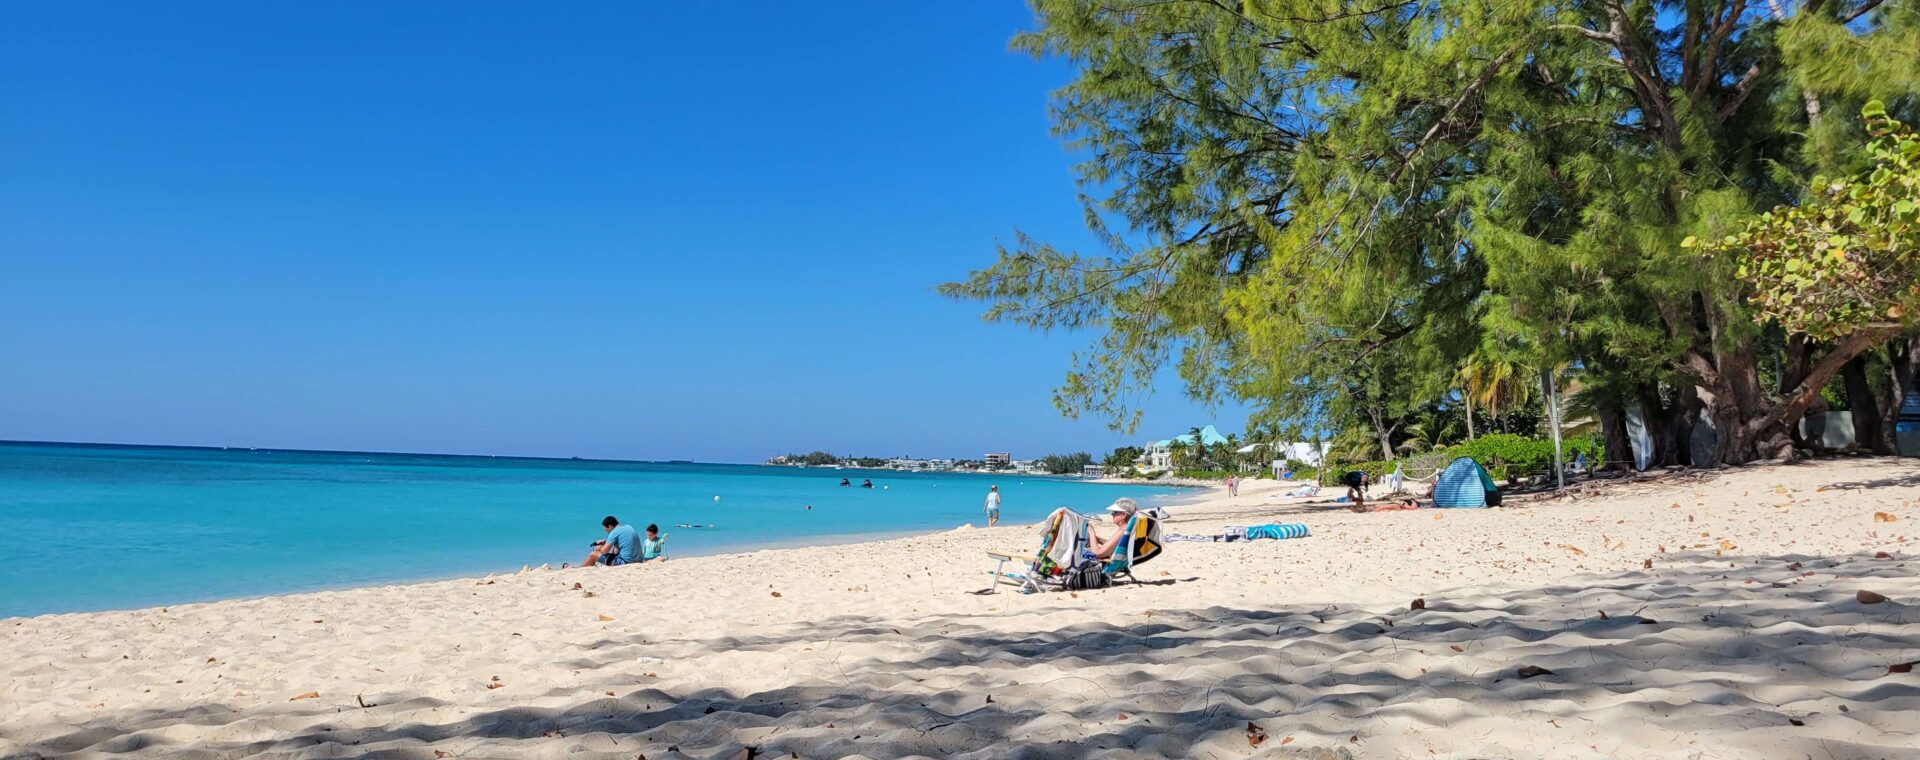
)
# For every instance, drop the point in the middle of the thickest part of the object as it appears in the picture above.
(622, 545)
(1357, 489)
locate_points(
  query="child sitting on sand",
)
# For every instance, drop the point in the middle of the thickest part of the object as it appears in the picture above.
(653, 544)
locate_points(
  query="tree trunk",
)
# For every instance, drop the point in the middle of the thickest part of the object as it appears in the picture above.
(1552, 398)
(1903, 356)
(1469, 399)
(1863, 405)
(1768, 429)
(1799, 359)
(1686, 411)
(1733, 403)
(1383, 433)
(1613, 431)
(1659, 418)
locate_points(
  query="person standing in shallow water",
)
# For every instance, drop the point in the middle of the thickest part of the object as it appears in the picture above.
(993, 506)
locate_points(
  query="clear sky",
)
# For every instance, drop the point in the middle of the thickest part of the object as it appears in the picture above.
(647, 230)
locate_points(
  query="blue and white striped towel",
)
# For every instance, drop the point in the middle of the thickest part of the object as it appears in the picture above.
(1289, 530)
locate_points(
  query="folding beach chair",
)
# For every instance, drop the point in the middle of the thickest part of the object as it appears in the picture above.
(1062, 535)
(1142, 543)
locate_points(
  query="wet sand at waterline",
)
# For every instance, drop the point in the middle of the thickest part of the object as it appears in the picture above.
(1755, 612)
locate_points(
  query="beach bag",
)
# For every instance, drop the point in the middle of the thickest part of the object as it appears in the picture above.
(1087, 575)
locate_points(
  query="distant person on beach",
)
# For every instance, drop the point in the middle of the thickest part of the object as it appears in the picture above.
(620, 547)
(1233, 486)
(993, 506)
(654, 545)
(1357, 489)
(1121, 510)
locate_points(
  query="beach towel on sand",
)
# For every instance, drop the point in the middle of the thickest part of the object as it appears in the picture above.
(1288, 530)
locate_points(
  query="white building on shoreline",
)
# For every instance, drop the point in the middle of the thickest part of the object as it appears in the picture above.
(1159, 454)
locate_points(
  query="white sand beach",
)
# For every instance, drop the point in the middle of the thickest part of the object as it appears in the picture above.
(1700, 615)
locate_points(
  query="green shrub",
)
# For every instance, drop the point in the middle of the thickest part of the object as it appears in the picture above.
(1507, 455)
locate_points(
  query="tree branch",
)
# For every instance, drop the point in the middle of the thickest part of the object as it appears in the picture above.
(1860, 11)
(1707, 64)
(1797, 400)
(1741, 90)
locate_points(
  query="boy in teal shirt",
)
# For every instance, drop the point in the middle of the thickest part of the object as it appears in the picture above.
(653, 544)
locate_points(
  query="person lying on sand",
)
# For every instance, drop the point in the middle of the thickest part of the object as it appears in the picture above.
(620, 547)
(1121, 511)
(1397, 505)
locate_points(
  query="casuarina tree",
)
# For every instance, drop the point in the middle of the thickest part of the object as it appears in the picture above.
(1330, 208)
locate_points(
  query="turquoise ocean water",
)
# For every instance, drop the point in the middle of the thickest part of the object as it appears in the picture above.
(86, 527)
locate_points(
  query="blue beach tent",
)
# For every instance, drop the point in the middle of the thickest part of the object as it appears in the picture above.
(1465, 484)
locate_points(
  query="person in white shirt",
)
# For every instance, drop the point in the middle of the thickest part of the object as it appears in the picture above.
(993, 506)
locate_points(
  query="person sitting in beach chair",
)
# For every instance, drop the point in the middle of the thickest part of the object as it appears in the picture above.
(1070, 555)
(1136, 541)
(1062, 535)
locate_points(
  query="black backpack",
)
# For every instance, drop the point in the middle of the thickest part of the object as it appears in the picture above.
(1087, 575)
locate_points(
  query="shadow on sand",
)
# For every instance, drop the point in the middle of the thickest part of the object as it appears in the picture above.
(1764, 648)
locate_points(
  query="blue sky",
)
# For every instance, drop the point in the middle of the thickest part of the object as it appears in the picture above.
(689, 230)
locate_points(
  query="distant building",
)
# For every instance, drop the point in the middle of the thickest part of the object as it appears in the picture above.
(1093, 470)
(999, 459)
(1160, 453)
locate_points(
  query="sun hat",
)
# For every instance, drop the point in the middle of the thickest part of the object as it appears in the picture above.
(1123, 506)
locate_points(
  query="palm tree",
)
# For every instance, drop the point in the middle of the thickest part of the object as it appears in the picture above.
(1494, 383)
(1431, 431)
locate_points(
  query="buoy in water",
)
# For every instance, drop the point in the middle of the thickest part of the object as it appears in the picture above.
(716, 497)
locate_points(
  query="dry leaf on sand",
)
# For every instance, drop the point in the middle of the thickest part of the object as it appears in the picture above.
(605, 617)
(1255, 734)
(308, 695)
